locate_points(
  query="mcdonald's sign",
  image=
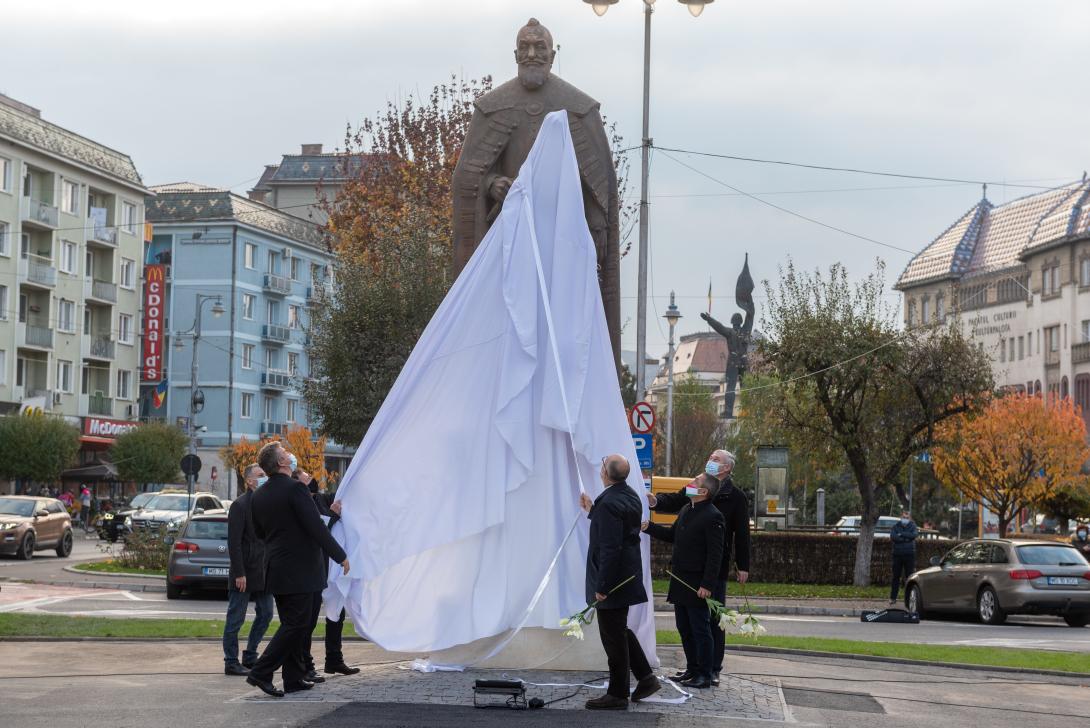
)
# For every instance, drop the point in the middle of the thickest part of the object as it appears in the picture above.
(154, 319)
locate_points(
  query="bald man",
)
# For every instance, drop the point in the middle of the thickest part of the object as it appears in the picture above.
(615, 582)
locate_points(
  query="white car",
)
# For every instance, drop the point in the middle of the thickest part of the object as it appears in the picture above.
(849, 526)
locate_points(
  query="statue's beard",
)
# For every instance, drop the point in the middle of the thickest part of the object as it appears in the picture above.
(533, 75)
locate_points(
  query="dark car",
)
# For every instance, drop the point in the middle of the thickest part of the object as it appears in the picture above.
(199, 558)
(997, 577)
(29, 524)
(116, 525)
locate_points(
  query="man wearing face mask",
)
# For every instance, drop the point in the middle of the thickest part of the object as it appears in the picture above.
(246, 581)
(732, 503)
(1081, 540)
(697, 536)
(297, 544)
(903, 539)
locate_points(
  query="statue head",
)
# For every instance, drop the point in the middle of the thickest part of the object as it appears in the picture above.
(534, 54)
(736, 320)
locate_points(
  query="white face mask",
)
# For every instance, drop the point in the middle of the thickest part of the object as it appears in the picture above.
(1082, 535)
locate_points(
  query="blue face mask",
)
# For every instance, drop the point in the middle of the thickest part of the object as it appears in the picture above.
(261, 480)
(294, 462)
(712, 468)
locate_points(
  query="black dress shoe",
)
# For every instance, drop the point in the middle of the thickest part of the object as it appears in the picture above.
(265, 686)
(645, 688)
(682, 676)
(698, 683)
(249, 664)
(341, 669)
(298, 687)
(233, 668)
(607, 702)
(314, 677)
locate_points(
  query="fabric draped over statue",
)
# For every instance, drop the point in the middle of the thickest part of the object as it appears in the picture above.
(465, 490)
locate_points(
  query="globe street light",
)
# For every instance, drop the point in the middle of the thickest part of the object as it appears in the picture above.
(196, 397)
(671, 316)
(600, 7)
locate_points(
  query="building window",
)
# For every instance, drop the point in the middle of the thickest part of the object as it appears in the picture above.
(1052, 338)
(1010, 349)
(3, 314)
(70, 197)
(1050, 280)
(270, 312)
(293, 317)
(316, 273)
(925, 311)
(296, 264)
(20, 370)
(1029, 344)
(5, 238)
(1021, 348)
(249, 253)
(64, 376)
(1002, 350)
(293, 363)
(1064, 387)
(270, 359)
(124, 384)
(247, 356)
(291, 410)
(248, 306)
(270, 404)
(911, 313)
(1084, 272)
(273, 262)
(124, 328)
(128, 217)
(247, 405)
(128, 273)
(69, 253)
(66, 316)
(5, 174)
(940, 307)
(1082, 393)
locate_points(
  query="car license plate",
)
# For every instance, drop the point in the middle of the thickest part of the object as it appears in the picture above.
(215, 571)
(1063, 581)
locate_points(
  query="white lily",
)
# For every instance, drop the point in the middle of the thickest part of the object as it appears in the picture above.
(565, 622)
(575, 630)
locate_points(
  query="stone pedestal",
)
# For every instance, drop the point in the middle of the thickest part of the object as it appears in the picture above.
(532, 648)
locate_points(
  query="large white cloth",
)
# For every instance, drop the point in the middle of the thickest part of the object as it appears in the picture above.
(466, 487)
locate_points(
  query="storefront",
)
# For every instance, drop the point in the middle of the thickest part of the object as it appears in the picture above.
(96, 469)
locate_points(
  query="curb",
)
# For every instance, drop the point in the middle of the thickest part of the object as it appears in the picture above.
(93, 584)
(77, 570)
(904, 661)
(785, 609)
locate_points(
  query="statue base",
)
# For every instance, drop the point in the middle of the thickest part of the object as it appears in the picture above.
(533, 648)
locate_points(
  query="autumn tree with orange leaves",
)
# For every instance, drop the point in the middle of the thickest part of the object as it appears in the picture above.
(308, 449)
(1013, 454)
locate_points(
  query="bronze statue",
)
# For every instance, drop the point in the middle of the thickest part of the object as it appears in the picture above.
(504, 126)
(738, 337)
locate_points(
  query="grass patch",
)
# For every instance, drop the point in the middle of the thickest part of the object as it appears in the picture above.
(983, 656)
(56, 625)
(795, 591)
(112, 567)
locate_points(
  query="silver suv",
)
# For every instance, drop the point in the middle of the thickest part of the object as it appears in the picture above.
(998, 577)
(171, 510)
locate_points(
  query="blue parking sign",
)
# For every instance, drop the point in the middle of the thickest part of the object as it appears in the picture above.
(645, 453)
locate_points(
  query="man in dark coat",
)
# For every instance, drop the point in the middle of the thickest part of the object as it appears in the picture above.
(734, 506)
(902, 538)
(612, 558)
(246, 581)
(297, 545)
(697, 536)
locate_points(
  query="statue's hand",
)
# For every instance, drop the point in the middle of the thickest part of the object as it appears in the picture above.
(706, 317)
(499, 188)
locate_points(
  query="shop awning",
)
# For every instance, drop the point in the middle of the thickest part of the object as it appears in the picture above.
(96, 470)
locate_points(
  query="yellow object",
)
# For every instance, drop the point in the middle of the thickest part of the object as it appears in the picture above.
(660, 484)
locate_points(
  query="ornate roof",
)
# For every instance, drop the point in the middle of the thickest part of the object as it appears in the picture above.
(988, 238)
(182, 202)
(23, 124)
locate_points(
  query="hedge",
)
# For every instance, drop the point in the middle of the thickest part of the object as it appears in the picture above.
(808, 558)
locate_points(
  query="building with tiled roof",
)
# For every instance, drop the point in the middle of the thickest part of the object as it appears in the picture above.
(299, 183)
(701, 356)
(1017, 278)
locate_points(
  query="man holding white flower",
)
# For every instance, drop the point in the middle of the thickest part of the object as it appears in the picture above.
(614, 583)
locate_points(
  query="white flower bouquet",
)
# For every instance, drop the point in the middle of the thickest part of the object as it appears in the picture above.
(745, 622)
(575, 622)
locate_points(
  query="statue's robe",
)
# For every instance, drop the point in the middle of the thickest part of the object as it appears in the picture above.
(504, 126)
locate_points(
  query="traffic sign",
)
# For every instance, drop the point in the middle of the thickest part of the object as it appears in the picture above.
(191, 464)
(645, 453)
(641, 418)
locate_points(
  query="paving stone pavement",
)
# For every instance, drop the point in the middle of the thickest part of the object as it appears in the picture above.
(736, 696)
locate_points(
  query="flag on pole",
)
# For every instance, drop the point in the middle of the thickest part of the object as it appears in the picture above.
(159, 395)
(709, 296)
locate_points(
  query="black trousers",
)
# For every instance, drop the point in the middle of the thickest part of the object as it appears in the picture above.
(903, 565)
(695, 627)
(315, 613)
(623, 651)
(334, 655)
(286, 650)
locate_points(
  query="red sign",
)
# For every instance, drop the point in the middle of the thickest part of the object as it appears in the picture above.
(154, 315)
(641, 418)
(106, 428)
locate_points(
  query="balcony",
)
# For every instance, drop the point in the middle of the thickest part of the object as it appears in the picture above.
(1080, 353)
(275, 334)
(100, 347)
(103, 234)
(1052, 358)
(101, 405)
(40, 271)
(36, 212)
(38, 337)
(276, 379)
(278, 285)
(101, 291)
(273, 428)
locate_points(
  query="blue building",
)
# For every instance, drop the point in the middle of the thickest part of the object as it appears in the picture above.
(264, 264)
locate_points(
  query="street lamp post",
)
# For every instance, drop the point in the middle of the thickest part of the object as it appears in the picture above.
(696, 7)
(671, 316)
(196, 397)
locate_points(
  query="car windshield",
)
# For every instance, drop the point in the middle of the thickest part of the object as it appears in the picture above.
(207, 529)
(1047, 555)
(169, 503)
(16, 507)
(141, 499)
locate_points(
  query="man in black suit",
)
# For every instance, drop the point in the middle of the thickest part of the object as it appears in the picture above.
(734, 506)
(613, 557)
(246, 581)
(697, 536)
(297, 545)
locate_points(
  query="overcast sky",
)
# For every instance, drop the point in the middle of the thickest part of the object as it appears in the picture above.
(974, 89)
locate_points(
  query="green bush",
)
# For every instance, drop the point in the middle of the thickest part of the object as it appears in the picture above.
(144, 549)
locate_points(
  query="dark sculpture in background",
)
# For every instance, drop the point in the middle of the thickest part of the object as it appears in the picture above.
(504, 126)
(739, 335)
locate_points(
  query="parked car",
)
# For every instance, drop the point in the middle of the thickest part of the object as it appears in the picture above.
(199, 557)
(29, 524)
(116, 524)
(171, 510)
(994, 578)
(850, 525)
